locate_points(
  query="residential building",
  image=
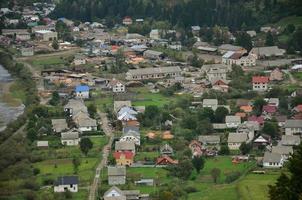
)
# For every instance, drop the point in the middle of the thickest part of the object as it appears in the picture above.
(82, 92)
(214, 74)
(276, 75)
(70, 138)
(233, 58)
(153, 55)
(84, 122)
(209, 140)
(229, 47)
(46, 35)
(154, 34)
(75, 106)
(121, 146)
(196, 148)
(232, 121)
(19, 34)
(42, 144)
(284, 151)
(166, 160)
(251, 33)
(236, 139)
(153, 73)
(116, 86)
(66, 183)
(260, 83)
(123, 158)
(116, 175)
(114, 193)
(131, 134)
(27, 51)
(266, 52)
(166, 149)
(42, 28)
(117, 105)
(127, 21)
(205, 47)
(79, 59)
(59, 125)
(272, 160)
(293, 127)
(210, 103)
(290, 140)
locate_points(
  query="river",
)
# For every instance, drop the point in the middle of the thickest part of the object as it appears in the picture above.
(7, 112)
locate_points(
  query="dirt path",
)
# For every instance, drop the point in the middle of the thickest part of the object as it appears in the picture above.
(106, 150)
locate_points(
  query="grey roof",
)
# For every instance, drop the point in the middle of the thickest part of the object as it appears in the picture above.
(131, 192)
(119, 104)
(117, 171)
(272, 157)
(207, 68)
(82, 119)
(209, 139)
(158, 70)
(293, 123)
(127, 129)
(283, 150)
(70, 135)
(267, 51)
(42, 143)
(76, 105)
(166, 148)
(290, 140)
(232, 118)
(237, 137)
(67, 180)
(124, 145)
(210, 102)
(230, 47)
(155, 53)
(59, 124)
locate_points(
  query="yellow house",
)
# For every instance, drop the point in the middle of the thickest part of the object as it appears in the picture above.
(124, 158)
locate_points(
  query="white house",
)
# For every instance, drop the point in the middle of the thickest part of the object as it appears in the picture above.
(70, 138)
(210, 103)
(272, 160)
(233, 58)
(154, 34)
(66, 183)
(84, 122)
(82, 92)
(114, 193)
(116, 86)
(79, 59)
(260, 83)
(232, 121)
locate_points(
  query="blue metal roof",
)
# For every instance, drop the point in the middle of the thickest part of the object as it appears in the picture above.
(82, 88)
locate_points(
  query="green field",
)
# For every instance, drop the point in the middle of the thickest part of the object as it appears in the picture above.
(295, 20)
(54, 62)
(297, 76)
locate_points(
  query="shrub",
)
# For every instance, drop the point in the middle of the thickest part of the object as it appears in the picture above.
(231, 177)
(190, 189)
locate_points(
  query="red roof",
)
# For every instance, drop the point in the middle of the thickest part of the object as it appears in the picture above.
(165, 160)
(254, 118)
(220, 82)
(298, 108)
(127, 154)
(269, 109)
(260, 79)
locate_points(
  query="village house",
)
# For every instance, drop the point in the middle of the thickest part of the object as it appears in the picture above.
(236, 139)
(66, 183)
(154, 34)
(276, 75)
(42, 28)
(232, 121)
(121, 146)
(266, 52)
(229, 47)
(82, 92)
(272, 101)
(153, 55)
(114, 193)
(290, 140)
(127, 20)
(74, 106)
(116, 175)
(214, 74)
(196, 148)
(19, 34)
(284, 151)
(131, 134)
(256, 119)
(232, 58)
(251, 33)
(166, 160)
(70, 138)
(117, 105)
(27, 51)
(205, 47)
(209, 140)
(116, 86)
(79, 59)
(153, 73)
(59, 125)
(84, 122)
(297, 109)
(260, 83)
(272, 160)
(46, 35)
(220, 85)
(261, 141)
(293, 127)
(166, 149)
(210, 103)
(269, 110)
(123, 158)
(42, 144)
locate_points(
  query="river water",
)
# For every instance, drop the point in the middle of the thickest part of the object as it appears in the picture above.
(7, 113)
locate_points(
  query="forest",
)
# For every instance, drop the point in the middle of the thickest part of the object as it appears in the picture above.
(183, 13)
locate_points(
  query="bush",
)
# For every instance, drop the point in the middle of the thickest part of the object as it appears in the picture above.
(36, 171)
(31, 185)
(190, 189)
(231, 177)
(48, 181)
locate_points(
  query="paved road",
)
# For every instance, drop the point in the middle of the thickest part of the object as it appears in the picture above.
(108, 131)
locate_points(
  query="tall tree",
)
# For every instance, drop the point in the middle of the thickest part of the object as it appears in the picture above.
(86, 145)
(198, 163)
(243, 39)
(269, 40)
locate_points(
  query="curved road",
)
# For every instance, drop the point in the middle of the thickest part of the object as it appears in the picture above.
(106, 150)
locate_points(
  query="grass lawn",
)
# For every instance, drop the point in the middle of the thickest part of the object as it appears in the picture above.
(139, 156)
(48, 62)
(255, 186)
(143, 97)
(295, 20)
(215, 192)
(297, 75)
